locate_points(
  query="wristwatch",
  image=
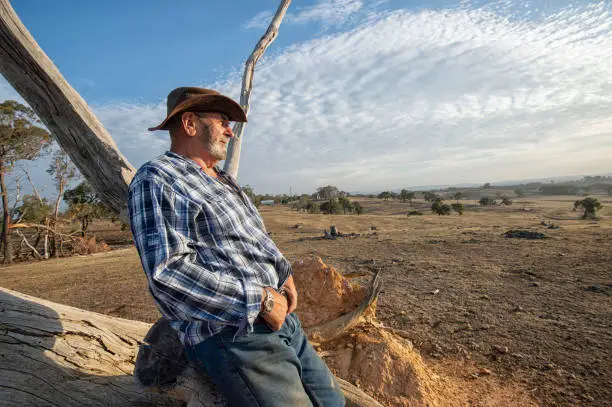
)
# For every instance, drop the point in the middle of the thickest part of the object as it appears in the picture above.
(268, 303)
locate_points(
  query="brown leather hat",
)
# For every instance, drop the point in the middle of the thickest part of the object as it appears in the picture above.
(188, 99)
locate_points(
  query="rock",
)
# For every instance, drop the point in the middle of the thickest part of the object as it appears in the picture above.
(501, 349)
(483, 371)
(434, 292)
(534, 284)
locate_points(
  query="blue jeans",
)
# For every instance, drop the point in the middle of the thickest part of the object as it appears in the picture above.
(267, 368)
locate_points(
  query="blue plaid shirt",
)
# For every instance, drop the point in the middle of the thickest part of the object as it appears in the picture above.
(203, 247)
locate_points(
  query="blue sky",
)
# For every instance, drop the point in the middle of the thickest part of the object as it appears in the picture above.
(365, 95)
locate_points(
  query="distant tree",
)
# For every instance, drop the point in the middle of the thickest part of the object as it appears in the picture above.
(610, 190)
(386, 195)
(487, 201)
(63, 171)
(457, 196)
(487, 185)
(85, 205)
(520, 193)
(457, 207)
(430, 196)
(327, 192)
(406, 195)
(415, 213)
(331, 206)
(33, 209)
(357, 208)
(301, 204)
(440, 208)
(590, 205)
(347, 205)
(20, 139)
(313, 207)
(505, 201)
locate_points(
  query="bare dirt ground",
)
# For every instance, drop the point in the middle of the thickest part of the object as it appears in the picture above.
(531, 315)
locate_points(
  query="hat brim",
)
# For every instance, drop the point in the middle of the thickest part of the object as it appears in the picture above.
(206, 103)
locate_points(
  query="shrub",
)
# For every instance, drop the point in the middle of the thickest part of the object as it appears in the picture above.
(415, 213)
(457, 207)
(440, 208)
(590, 205)
(487, 201)
(331, 207)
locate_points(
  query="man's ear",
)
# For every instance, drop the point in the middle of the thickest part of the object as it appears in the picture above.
(188, 120)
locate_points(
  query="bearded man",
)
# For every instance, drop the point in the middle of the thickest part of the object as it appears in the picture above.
(214, 271)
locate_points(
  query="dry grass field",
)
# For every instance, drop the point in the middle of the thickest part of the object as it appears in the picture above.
(536, 313)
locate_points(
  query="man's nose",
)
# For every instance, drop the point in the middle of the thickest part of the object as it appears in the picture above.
(229, 132)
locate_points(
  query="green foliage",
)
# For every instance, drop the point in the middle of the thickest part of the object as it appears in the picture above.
(347, 205)
(431, 196)
(357, 208)
(331, 207)
(440, 208)
(457, 196)
(327, 192)
(415, 213)
(590, 205)
(520, 193)
(487, 201)
(20, 136)
(20, 139)
(487, 185)
(33, 210)
(301, 204)
(61, 169)
(457, 207)
(85, 205)
(505, 200)
(313, 207)
(386, 195)
(406, 195)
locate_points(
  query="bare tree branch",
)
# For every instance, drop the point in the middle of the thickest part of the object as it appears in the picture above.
(233, 153)
(25, 240)
(36, 194)
(37, 226)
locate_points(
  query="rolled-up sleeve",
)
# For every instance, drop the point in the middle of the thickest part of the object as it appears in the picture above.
(188, 280)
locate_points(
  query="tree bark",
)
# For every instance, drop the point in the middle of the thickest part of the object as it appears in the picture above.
(79, 133)
(58, 355)
(233, 153)
(6, 219)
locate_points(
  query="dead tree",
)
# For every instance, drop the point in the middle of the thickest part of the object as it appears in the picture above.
(59, 355)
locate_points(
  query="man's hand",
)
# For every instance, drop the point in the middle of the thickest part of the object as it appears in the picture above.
(276, 318)
(292, 295)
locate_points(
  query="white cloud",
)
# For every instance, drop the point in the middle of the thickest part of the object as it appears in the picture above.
(260, 20)
(326, 13)
(419, 98)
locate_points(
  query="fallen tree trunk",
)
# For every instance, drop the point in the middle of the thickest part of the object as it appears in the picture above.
(58, 355)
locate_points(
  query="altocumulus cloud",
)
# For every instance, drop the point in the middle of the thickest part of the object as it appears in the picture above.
(464, 94)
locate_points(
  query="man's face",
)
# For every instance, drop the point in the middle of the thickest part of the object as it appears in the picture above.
(214, 132)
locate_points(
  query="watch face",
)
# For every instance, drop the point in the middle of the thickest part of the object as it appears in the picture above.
(269, 303)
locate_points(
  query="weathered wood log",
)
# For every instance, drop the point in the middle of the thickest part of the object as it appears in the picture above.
(56, 355)
(233, 152)
(333, 329)
(77, 130)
